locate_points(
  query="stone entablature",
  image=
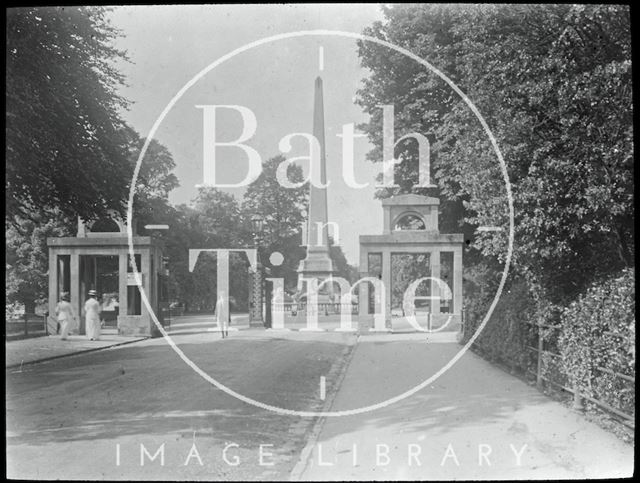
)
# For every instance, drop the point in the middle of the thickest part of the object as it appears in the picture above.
(397, 207)
(417, 237)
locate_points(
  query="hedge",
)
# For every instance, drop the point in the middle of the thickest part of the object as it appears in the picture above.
(598, 330)
(508, 333)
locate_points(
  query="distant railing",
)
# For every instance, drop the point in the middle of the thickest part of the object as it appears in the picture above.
(294, 308)
(27, 324)
(175, 311)
(541, 353)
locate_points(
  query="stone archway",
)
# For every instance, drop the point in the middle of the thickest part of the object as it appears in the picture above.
(410, 226)
(409, 220)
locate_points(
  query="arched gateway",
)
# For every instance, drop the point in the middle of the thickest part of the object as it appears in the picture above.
(410, 226)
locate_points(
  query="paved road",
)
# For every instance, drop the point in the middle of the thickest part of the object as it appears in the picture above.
(66, 418)
(443, 431)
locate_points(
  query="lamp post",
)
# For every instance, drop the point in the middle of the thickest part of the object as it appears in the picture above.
(255, 313)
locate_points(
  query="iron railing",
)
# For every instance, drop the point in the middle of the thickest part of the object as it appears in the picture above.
(27, 324)
(541, 353)
(294, 308)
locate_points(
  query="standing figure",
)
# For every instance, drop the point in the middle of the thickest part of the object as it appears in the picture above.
(66, 317)
(92, 316)
(222, 314)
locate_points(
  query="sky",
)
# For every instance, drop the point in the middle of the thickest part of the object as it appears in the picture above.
(169, 45)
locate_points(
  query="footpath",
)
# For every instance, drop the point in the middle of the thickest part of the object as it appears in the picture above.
(41, 349)
(473, 422)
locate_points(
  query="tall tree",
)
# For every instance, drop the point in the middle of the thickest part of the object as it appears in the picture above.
(27, 253)
(154, 182)
(66, 148)
(213, 221)
(27, 261)
(283, 211)
(219, 218)
(554, 85)
(341, 265)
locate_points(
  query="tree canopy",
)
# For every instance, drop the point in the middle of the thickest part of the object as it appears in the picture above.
(27, 258)
(554, 84)
(283, 211)
(27, 255)
(66, 143)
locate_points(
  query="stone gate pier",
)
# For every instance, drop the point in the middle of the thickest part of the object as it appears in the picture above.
(410, 226)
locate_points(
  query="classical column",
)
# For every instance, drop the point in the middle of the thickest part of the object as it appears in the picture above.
(363, 287)
(94, 285)
(123, 303)
(363, 297)
(386, 280)
(250, 297)
(457, 281)
(53, 289)
(144, 312)
(77, 299)
(434, 259)
(144, 273)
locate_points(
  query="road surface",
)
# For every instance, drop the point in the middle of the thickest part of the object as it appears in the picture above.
(140, 412)
(92, 416)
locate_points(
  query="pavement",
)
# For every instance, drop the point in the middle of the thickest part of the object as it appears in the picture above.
(40, 349)
(474, 422)
(44, 348)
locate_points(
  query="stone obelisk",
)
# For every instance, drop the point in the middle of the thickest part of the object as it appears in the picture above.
(318, 262)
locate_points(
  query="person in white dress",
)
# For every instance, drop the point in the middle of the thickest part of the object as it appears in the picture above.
(222, 314)
(92, 316)
(66, 317)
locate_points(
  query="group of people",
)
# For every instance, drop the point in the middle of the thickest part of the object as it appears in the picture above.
(67, 318)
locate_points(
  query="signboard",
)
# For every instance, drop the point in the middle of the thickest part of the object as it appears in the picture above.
(131, 278)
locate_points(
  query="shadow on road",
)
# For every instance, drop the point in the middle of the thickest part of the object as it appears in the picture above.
(147, 389)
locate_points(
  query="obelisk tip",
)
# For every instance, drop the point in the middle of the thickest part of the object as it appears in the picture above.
(318, 80)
